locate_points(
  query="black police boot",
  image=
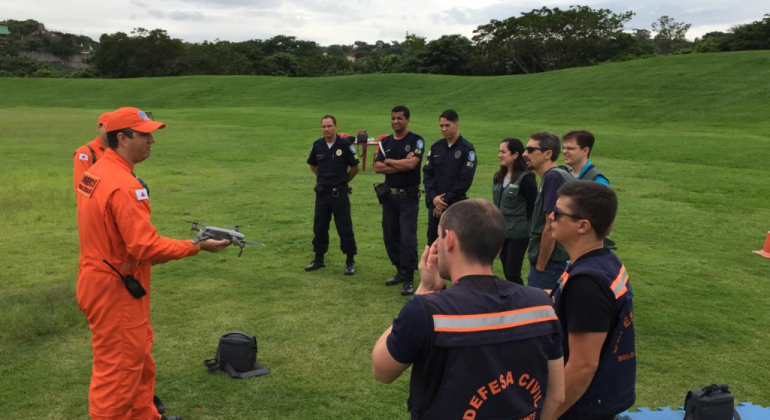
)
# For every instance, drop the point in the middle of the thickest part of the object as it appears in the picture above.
(318, 262)
(397, 278)
(408, 287)
(158, 404)
(350, 266)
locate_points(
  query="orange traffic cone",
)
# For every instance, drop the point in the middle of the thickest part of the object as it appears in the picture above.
(765, 252)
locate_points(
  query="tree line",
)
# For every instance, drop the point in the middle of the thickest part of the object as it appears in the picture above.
(537, 41)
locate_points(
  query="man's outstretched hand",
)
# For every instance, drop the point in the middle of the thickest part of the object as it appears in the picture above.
(214, 245)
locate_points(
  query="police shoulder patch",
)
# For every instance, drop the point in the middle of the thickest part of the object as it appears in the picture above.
(82, 156)
(352, 149)
(470, 164)
(472, 156)
(420, 144)
(141, 194)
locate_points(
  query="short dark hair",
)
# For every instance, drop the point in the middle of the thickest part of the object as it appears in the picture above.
(548, 141)
(594, 201)
(584, 138)
(112, 137)
(479, 226)
(401, 108)
(451, 115)
(331, 117)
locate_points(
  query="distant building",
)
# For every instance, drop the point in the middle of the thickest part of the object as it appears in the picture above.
(4, 29)
(351, 58)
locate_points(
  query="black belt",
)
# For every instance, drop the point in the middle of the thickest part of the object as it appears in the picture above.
(404, 192)
(334, 191)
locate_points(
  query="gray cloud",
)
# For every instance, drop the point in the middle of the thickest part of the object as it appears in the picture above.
(699, 13)
(186, 16)
(328, 22)
(175, 15)
(251, 4)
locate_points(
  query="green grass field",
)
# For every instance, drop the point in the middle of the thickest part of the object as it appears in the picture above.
(685, 141)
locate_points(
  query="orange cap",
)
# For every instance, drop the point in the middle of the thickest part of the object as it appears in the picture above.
(103, 119)
(134, 119)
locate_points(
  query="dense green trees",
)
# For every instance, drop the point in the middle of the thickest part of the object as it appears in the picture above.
(552, 39)
(540, 40)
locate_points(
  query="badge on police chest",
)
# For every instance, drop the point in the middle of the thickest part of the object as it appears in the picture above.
(457, 154)
(339, 152)
(408, 147)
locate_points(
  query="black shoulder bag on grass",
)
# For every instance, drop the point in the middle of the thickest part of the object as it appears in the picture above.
(237, 355)
(714, 402)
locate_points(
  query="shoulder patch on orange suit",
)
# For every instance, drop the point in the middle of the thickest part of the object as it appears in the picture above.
(88, 184)
(141, 194)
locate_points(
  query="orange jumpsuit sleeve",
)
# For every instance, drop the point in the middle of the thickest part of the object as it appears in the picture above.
(132, 217)
(80, 165)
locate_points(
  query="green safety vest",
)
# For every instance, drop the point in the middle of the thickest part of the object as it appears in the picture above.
(559, 254)
(513, 206)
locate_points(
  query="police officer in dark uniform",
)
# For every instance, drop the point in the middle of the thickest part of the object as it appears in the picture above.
(399, 160)
(329, 159)
(594, 301)
(449, 170)
(483, 349)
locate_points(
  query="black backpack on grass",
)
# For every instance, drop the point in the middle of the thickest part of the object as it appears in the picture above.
(714, 402)
(237, 355)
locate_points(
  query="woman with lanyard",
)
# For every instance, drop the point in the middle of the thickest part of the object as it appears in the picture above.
(514, 192)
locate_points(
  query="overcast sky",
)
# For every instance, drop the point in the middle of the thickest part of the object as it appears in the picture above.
(343, 22)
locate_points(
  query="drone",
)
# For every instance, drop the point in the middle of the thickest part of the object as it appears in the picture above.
(230, 232)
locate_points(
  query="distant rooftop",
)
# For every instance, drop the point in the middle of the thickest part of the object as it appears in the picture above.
(4, 29)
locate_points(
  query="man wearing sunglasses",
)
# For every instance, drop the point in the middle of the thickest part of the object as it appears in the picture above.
(594, 302)
(547, 258)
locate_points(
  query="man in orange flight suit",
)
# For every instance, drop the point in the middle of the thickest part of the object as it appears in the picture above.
(114, 226)
(86, 155)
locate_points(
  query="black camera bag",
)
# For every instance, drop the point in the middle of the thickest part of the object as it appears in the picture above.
(714, 402)
(237, 355)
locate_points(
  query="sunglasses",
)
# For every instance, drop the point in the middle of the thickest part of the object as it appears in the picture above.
(558, 213)
(531, 149)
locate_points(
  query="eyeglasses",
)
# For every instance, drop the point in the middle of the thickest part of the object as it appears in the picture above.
(531, 149)
(557, 213)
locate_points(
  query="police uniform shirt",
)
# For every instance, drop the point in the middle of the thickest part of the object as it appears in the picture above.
(449, 170)
(589, 305)
(410, 342)
(390, 148)
(332, 162)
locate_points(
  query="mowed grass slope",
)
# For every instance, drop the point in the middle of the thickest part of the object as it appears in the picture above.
(684, 140)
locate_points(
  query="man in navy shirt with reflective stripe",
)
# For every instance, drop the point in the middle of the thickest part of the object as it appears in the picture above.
(484, 348)
(329, 159)
(448, 171)
(594, 300)
(399, 160)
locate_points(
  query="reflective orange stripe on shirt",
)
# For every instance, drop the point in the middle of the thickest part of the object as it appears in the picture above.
(493, 321)
(619, 285)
